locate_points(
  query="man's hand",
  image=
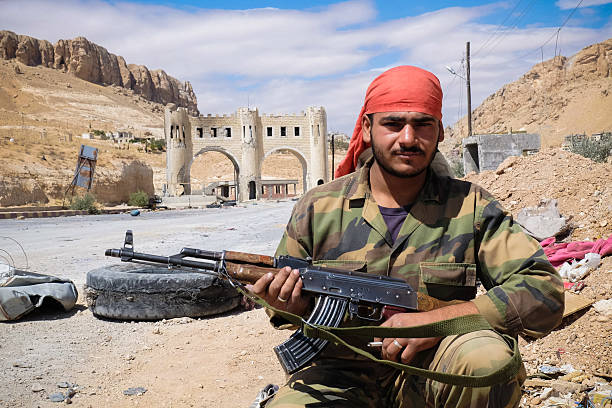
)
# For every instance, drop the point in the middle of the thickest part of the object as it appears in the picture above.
(282, 290)
(404, 349)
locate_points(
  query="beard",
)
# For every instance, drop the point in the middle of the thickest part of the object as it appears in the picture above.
(379, 158)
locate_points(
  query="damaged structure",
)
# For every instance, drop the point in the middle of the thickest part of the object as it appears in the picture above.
(246, 138)
(487, 151)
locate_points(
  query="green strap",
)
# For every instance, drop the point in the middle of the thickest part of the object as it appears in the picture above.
(457, 325)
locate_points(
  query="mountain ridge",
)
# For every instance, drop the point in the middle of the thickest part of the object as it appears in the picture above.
(93, 63)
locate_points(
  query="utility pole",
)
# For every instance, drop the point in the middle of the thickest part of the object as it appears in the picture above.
(469, 91)
(333, 149)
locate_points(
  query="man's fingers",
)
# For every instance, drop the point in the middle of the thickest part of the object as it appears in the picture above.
(277, 283)
(259, 287)
(407, 355)
(297, 289)
(391, 349)
(286, 291)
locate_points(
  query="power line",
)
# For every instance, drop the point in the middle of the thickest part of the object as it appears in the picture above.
(514, 26)
(555, 34)
(498, 28)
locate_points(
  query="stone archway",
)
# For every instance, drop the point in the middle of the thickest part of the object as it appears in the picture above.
(301, 158)
(230, 156)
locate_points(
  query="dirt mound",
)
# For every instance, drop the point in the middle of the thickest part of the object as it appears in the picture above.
(581, 186)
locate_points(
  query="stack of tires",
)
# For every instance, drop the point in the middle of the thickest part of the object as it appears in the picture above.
(130, 291)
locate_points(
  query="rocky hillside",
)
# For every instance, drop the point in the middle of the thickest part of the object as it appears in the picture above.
(555, 98)
(94, 63)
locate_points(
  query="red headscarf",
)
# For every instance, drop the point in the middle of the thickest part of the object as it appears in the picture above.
(400, 89)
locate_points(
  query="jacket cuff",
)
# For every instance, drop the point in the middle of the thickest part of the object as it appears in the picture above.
(504, 320)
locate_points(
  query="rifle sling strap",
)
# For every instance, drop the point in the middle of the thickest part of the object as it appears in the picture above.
(454, 326)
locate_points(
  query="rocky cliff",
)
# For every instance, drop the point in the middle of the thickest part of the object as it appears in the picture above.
(555, 98)
(94, 63)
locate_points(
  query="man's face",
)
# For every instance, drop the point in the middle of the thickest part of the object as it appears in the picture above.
(403, 143)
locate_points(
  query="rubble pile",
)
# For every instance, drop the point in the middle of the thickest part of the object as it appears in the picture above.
(581, 186)
(574, 362)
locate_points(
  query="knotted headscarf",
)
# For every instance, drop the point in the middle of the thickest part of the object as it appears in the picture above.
(400, 89)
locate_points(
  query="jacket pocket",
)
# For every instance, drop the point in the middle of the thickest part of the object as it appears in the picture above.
(448, 281)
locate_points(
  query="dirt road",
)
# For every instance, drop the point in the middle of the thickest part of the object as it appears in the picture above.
(215, 362)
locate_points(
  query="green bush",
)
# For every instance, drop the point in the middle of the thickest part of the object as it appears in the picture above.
(158, 145)
(139, 199)
(85, 202)
(457, 168)
(596, 150)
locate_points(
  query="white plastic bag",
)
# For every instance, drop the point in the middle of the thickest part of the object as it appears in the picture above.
(577, 270)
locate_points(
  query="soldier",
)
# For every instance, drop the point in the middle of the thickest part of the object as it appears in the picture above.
(395, 216)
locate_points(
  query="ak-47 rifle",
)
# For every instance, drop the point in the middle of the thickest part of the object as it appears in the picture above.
(370, 297)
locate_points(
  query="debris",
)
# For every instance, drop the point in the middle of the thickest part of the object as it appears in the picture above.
(37, 388)
(604, 307)
(542, 221)
(57, 397)
(575, 287)
(575, 303)
(550, 370)
(65, 384)
(558, 253)
(579, 269)
(135, 391)
(135, 213)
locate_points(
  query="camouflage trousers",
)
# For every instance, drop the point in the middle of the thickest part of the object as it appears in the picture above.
(359, 383)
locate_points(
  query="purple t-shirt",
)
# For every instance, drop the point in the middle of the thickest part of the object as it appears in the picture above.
(394, 218)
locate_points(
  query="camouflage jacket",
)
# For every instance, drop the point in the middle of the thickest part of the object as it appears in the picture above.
(456, 233)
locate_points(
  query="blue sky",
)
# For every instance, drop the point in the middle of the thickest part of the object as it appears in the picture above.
(282, 56)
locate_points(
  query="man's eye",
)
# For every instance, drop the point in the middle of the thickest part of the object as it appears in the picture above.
(423, 124)
(394, 125)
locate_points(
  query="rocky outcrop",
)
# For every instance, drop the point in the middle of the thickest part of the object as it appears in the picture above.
(555, 98)
(114, 187)
(20, 191)
(94, 63)
(112, 184)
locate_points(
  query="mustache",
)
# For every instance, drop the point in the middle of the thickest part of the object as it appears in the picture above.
(411, 149)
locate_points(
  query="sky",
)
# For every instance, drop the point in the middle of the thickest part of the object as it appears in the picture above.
(283, 56)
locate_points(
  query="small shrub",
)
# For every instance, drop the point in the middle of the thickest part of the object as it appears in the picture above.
(158, 145)
(596, 150)
(457, 168)
(85, 202)
(139, 199)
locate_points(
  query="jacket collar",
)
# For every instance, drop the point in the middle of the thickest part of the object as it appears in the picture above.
(359, 189)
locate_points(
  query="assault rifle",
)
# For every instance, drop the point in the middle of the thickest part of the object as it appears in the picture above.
(370, 297)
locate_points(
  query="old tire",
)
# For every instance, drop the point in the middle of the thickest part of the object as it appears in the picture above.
(146, 292)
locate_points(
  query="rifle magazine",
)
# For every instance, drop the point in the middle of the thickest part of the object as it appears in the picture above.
(299, 350)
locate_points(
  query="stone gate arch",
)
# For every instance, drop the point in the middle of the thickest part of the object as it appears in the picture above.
(227, 154)
(243, 137)
(301, 158)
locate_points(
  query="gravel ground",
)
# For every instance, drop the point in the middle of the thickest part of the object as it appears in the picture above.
(50, 347)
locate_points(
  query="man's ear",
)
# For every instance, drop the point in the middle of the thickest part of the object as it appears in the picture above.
(366, 128)
(441, 132)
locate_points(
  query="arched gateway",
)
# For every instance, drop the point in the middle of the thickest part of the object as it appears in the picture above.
(247, 138)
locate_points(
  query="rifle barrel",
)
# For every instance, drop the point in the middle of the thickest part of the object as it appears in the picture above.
(173, 260)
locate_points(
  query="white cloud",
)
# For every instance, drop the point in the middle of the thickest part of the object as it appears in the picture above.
(570, 4)
(285, 60)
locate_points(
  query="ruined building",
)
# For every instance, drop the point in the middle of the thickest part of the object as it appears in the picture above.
(246, 138)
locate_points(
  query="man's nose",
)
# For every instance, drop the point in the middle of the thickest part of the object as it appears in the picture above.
(407, 135)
